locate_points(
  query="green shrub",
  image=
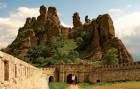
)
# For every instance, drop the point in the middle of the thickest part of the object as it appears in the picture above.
(111, 56)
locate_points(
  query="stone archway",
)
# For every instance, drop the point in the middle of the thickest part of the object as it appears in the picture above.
(69, 78)
(51, 79)
(98, 81)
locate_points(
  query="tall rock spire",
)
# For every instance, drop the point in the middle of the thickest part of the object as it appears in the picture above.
(41, 19)
(52, 23)
(76, 20)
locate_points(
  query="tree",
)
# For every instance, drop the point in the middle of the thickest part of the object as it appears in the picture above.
(63, 50)
(111, 56)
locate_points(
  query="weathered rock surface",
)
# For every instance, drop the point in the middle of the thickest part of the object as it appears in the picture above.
(103, 38)
(36, 32)
(76, 20)
(52, 24)
(100, 34)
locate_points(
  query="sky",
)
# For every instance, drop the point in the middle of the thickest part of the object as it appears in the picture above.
(125, 15)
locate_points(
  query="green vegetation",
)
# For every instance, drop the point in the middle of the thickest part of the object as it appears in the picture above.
(59, 50)
(86, 86)
(83, 54)
(91, 86)
(97, 63)
(111, 56)
(25, 32)
(83, 40)
(112, 85)
(55, 85)
(63, 51)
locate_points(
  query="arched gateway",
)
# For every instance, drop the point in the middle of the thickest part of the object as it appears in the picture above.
(71, 78)
(51, 79)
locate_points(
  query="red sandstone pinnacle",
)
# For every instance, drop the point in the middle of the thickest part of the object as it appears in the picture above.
(76, 20)
(52, 15)
(41, 19)
(52, 23)
(43, 10)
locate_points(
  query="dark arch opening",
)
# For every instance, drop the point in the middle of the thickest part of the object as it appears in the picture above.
(98, 81)
(51, 79)
(69, 79)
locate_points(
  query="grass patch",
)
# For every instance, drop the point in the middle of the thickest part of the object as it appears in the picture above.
(112, 85)
(86, 86)
(57, 85)
(91, 86)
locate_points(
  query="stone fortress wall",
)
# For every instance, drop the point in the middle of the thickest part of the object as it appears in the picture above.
(16, 74)
(106, 73)
(124, 72)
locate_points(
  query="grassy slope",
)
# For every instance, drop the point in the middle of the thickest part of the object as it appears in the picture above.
(55, 85)
(117, 85)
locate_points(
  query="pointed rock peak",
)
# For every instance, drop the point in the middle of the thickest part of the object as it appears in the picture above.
(52, 16)
(76, 14)
(52, 11)
(43, 10)
(87, 20)
(76, 20)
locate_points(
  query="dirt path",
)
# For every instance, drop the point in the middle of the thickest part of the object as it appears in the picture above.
(73, 87)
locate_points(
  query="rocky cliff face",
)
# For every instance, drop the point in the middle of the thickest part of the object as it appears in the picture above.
(100, 32)
(103, 38)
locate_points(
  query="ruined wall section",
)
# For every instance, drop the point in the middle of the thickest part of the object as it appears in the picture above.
(108, 73)
(51, 72)
(81, 71)
(16, 74)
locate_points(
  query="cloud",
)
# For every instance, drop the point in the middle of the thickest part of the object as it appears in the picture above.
(9, 25)
(2, 5)
(65, 25)
(127, 27)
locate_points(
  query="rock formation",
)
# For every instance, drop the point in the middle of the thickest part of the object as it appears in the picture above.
(76, 20)
(87, 20)
(103, 38)
(52, 23)
(100, 35)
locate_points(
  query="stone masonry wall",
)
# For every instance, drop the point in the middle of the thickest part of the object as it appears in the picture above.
(51, 72)
(16, 74)
(80, 71)
(105, 73)
(126, 71)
